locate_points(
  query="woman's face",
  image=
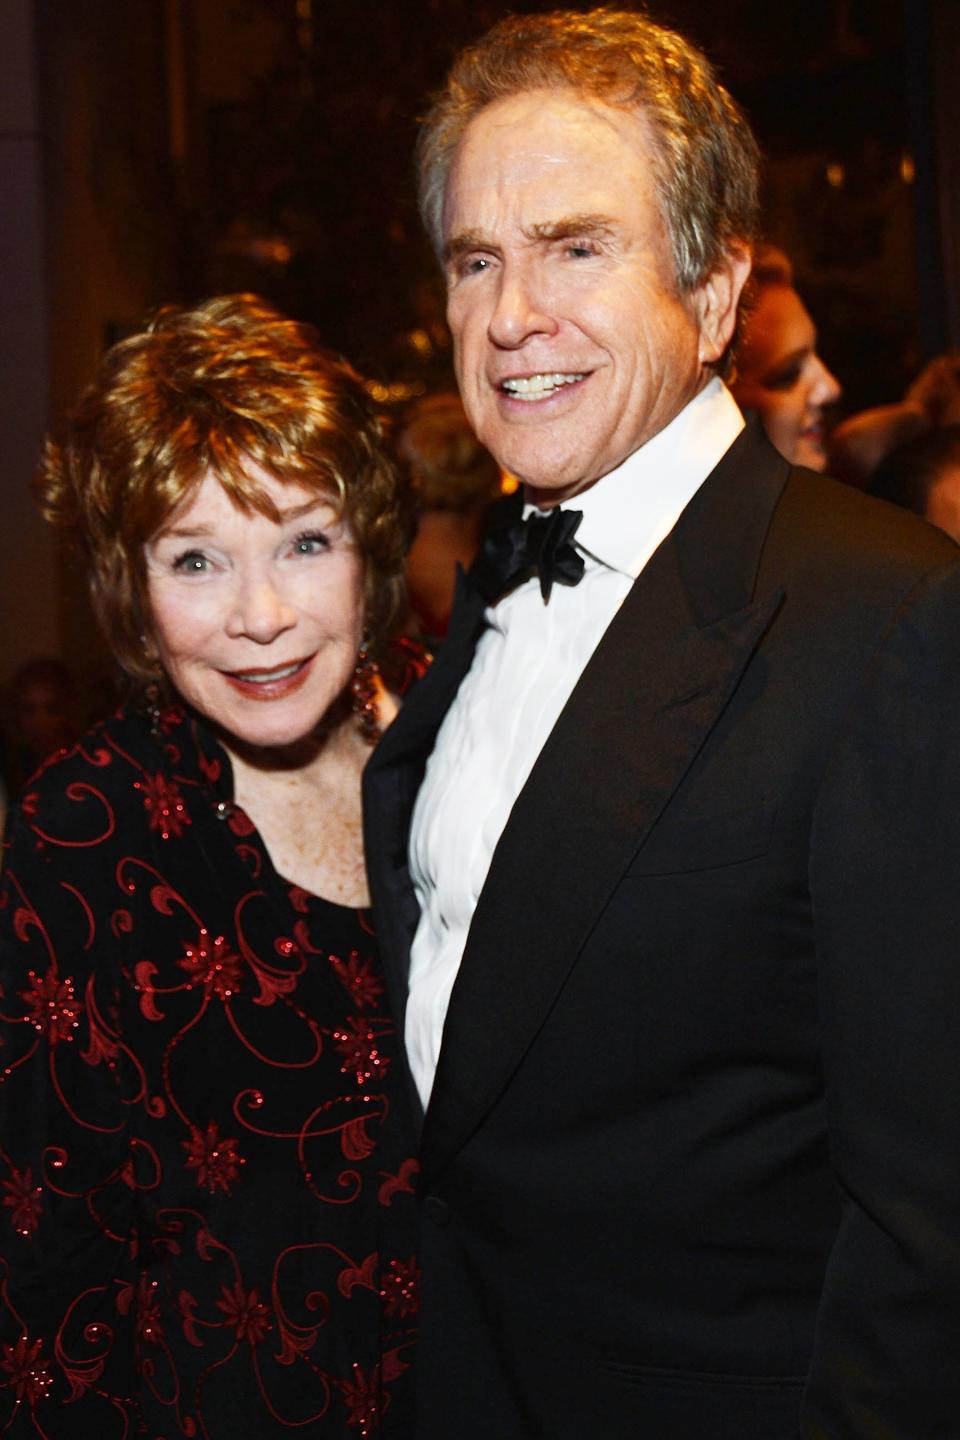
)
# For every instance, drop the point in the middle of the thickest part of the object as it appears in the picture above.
(781, 376)
(256, 623)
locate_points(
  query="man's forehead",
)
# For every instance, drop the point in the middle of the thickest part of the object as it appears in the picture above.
(551, 155)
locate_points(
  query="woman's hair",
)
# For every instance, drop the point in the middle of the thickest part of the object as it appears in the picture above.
(706, 153)
(212, 388)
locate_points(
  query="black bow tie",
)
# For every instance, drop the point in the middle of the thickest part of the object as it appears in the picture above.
(541, 544)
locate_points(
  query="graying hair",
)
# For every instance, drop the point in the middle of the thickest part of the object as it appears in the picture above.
(707, 157)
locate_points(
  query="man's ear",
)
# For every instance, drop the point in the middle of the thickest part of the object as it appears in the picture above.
(716, 301)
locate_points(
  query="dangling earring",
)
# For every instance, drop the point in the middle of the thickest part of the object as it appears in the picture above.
(363, 692)
(152, 697)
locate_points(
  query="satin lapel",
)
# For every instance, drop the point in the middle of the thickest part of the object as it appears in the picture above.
(648, 698)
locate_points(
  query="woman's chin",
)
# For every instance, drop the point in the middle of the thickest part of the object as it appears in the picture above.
(810, 452)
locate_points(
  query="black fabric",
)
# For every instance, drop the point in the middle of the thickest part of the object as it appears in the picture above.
(691, 1165)
(206, 1163)
(541, 545)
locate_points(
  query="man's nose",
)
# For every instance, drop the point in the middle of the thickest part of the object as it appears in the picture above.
(522, 309)
(259, 610)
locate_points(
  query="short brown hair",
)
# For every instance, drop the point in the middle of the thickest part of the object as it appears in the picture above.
(707, 181)
(206, 389)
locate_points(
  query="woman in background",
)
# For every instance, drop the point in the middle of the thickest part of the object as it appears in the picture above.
(778, 371)
(205, 1162)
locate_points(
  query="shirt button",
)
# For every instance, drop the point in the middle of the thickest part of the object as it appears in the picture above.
(437, 1210)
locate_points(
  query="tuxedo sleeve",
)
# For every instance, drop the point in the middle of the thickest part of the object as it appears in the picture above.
(885, 884)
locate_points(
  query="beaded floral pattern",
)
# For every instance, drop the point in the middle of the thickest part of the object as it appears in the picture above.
(206, 1166)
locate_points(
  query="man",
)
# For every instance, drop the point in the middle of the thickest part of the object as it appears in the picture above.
(683, 963)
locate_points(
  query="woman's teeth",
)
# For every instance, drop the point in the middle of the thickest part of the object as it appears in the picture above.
(535, 387)
(266, 677)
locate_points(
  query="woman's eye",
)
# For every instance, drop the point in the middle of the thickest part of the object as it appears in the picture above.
(312, 542)
(784, 379)
(191, 562)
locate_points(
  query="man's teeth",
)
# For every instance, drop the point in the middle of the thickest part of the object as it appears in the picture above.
(534, 387)
(265, 677)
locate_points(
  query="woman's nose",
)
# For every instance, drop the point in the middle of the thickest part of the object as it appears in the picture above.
(259, 611)
(827, 388)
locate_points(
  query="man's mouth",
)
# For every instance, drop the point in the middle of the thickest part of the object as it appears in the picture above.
(539, 387)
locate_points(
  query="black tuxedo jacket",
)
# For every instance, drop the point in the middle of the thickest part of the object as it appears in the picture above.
(691, 1166)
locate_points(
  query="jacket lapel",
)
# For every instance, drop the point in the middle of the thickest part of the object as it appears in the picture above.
(643, 707)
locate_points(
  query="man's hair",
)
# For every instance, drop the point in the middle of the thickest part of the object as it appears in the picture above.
(211, 389)
(706, 155)
(908, 474)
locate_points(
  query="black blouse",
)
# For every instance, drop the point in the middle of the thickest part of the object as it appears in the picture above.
(206, 1164)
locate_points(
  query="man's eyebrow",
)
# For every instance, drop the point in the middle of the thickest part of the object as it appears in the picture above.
(564, 228)
(466, 240)
(568, 226)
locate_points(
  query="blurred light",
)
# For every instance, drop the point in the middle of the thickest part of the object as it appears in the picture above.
(836, 175)
(304, 13)
(399, 393)
(908, 169)
(508, 483)
(421, 342)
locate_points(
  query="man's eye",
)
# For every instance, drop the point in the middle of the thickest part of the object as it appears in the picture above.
(581, 250)
(474, 265)
(191, 562)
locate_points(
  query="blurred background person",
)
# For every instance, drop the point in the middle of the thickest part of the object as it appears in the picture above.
(778, 371)
(454, 481)
(42, 717)
(205, 1165)
(924, 476)
(861, 442)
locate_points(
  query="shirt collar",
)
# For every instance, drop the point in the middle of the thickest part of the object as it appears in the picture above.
(629, 512)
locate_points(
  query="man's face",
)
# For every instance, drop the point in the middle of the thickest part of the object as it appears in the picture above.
(572, 347)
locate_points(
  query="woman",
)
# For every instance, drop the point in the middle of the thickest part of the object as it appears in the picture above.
(205, 1162)
(455, 481)
(779, 373)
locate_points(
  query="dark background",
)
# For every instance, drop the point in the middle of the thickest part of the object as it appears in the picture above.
(185, 147)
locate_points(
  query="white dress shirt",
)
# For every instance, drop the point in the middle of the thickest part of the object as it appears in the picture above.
(526, 665)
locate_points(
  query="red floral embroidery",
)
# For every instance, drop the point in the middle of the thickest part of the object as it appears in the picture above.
(149, 1326)
(216, 1161)
(27, 1368)
(361, 1395)
(246, 1313)
(164, 805)
(403, 1183)
(53, 1008)
(400, 1288)
(23, 1198)
(353, 1275)
(357, 1045)
(358, 979)
(213, 964)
